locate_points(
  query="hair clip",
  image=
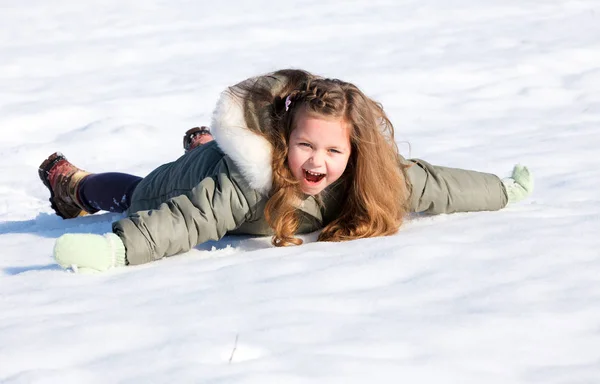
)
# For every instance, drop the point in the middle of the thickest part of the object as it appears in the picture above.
(288, 102)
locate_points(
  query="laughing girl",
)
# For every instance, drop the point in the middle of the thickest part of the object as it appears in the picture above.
(292, 153)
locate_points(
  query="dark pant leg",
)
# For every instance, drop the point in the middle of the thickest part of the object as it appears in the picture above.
(107, 191)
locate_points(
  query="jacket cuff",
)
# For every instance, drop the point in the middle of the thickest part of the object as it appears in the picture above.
(136, 246)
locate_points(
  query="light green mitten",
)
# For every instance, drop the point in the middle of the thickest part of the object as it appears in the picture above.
(519, 185)
(87, 253)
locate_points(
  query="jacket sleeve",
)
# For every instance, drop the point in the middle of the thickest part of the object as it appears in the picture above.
(436, 190)
(213, 207)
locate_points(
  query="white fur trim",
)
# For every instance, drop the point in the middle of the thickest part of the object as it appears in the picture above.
(251, 152)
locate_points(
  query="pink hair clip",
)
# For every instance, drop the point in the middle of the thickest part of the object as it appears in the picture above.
(288, 102)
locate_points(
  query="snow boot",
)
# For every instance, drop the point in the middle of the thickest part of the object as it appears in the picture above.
(62, 180)
(195, 137)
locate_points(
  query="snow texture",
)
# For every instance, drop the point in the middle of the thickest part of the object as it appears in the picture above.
(496, 297)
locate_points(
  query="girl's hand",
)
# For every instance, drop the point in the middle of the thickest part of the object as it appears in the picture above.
(519, 185)
(87, 253)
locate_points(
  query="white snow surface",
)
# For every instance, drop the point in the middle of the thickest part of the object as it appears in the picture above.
(511, 296)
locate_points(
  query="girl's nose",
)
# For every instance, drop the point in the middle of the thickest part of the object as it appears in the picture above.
(316, 158)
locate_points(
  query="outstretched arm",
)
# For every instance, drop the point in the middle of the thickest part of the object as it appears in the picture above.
(215, 206)
(436, 189)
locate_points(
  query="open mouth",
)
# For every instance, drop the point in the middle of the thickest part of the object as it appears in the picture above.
(313, 177)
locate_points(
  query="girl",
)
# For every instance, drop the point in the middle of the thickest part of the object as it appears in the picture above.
(293, 153)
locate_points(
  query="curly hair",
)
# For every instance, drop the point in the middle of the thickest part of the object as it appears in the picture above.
(374, 184)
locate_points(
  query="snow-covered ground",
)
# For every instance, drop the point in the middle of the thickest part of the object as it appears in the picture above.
(496, 297)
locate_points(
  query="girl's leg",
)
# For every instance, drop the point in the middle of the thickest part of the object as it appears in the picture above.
(75, 192)
(107, 191)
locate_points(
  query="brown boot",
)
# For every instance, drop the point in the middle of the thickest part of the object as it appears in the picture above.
(195, 137)
(62, 179)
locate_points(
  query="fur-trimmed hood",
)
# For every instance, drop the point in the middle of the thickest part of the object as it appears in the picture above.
(251, 152)
(236, 125)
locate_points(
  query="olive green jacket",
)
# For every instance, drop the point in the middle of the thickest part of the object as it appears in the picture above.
(222, 187)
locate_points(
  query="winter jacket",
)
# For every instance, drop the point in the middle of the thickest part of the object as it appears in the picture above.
(222, 187)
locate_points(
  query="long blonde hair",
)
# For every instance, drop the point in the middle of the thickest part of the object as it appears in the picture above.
(375, 192)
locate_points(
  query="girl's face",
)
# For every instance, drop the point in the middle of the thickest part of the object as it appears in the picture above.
(318, 151)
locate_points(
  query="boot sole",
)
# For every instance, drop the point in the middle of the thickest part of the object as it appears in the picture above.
(190, 133)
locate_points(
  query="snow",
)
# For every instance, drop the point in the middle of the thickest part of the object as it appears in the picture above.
(497, 297)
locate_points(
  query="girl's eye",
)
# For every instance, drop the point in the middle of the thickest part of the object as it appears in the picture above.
(304, 145)
(334, 151)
